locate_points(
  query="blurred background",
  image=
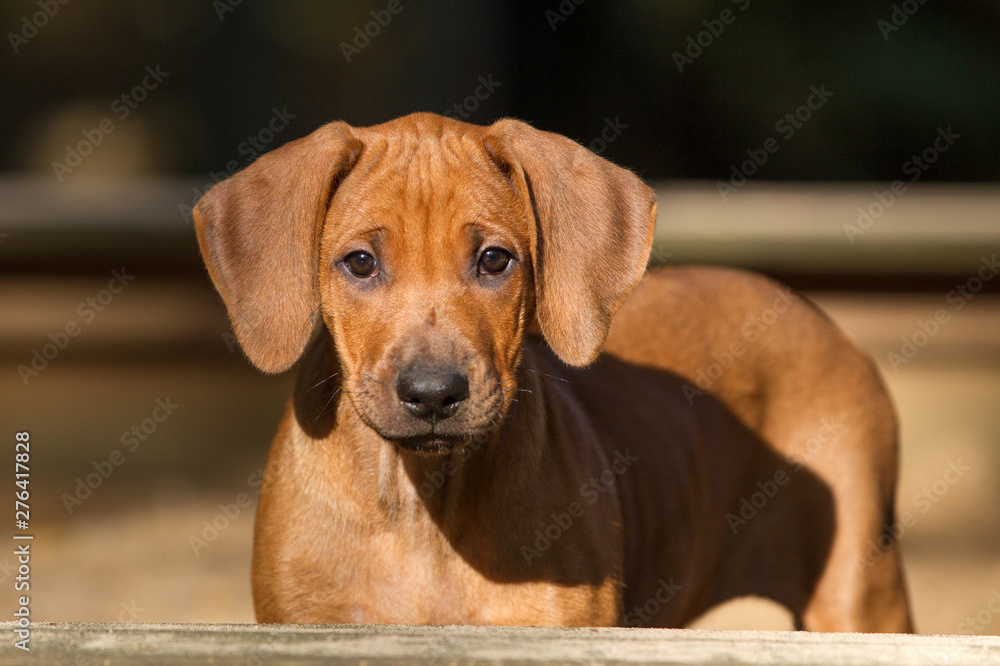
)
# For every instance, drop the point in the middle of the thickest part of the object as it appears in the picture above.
(848, 149)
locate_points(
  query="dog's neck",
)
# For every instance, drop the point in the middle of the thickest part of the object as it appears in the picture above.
(402, 485)
(445, 487)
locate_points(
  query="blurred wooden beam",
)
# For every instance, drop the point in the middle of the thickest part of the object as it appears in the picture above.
(785, 229)
(855, 228)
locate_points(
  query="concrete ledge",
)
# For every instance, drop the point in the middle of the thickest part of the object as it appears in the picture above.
(113, 644)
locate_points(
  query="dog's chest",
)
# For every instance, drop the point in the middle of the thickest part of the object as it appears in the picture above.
(396, 580)
(387, 557)
(419, 587)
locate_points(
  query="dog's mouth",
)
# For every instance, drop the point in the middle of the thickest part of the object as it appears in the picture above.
(428, 439)
(434, 444)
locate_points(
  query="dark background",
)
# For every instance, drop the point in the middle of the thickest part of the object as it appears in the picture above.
(605, 59)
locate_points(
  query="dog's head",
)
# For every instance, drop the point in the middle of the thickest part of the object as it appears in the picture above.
(428, 246)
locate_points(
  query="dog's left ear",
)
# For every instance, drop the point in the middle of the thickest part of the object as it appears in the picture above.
(592, 234)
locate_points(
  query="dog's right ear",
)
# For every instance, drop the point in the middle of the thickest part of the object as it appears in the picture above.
(259, 233)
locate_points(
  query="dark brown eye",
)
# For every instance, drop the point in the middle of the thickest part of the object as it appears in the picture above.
(493, 260)
(361, 264)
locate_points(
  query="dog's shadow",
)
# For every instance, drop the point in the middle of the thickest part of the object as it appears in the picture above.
(715, 512)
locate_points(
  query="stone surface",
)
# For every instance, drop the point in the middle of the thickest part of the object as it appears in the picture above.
(114, 644)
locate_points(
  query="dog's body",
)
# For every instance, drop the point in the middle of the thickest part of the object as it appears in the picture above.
(440, 464)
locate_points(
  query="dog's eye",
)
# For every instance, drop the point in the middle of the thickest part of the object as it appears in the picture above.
(361, 264)
(493, 260)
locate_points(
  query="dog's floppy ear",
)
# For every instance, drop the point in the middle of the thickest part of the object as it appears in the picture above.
(259, 233)
(592, 234)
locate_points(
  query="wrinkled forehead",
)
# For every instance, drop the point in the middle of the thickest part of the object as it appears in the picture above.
(419, 181)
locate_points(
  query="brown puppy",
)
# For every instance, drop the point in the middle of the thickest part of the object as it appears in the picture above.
(440, 463)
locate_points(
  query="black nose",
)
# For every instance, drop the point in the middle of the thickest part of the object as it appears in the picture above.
(431, 393)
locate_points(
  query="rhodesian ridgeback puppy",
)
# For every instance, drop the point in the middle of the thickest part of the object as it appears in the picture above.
(498, 420)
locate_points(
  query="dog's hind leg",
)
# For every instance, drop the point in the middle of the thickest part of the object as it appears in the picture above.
(861, 587)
